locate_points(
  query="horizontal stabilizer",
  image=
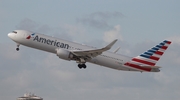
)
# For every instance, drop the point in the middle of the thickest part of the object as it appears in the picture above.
(151, 66)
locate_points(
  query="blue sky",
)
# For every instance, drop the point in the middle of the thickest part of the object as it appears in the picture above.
(141, 18)
(137, 24)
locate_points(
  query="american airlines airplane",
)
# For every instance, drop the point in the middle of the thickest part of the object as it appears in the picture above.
(145, 62)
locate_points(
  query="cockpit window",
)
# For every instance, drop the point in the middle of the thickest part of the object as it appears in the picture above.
(14, 32)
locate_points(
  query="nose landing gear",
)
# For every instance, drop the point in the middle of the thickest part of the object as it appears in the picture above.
(17, 49)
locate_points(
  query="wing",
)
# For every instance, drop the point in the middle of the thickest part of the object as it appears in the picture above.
(93, 52)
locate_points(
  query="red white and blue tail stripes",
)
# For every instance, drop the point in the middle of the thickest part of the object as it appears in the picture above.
(150, 57)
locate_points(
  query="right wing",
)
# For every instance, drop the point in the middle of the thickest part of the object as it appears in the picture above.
(93, 52)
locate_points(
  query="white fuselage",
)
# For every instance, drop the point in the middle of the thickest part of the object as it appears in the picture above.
(50, 44)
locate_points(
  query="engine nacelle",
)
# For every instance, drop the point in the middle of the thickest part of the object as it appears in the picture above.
(64, 54)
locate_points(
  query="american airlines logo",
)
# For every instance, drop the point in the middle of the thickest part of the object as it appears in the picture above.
(50, 42)
(30, 36)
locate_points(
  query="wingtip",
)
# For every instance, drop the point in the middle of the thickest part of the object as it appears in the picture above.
(111, 44)
(168, 41)
(114, 41)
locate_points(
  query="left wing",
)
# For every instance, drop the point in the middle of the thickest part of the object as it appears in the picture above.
(93, 52)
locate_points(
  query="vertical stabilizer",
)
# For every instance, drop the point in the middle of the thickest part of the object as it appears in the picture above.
(149, 58)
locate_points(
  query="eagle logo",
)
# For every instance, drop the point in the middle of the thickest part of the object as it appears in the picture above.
(30, 36)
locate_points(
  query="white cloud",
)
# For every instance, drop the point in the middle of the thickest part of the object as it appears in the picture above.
(31, 25)
(19, 80)
(50, 77)
(54, 79)
(113, 34)
(163, 78)
(27, 24)
(100, 20)
(74, 30)
(62, 75)
(11, 54)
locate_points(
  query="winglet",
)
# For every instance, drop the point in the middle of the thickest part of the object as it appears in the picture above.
(117, 50)
(110, 45)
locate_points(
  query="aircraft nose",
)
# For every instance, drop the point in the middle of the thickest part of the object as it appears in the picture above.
(10, 35)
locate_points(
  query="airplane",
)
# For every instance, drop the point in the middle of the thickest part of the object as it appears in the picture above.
(67, 50)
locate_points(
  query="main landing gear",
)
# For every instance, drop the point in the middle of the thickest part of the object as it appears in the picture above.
(81, 63)
(82, 66)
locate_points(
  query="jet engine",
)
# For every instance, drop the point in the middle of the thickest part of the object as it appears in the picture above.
(64, 54)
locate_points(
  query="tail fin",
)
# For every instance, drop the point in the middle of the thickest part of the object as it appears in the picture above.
(149, 58)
